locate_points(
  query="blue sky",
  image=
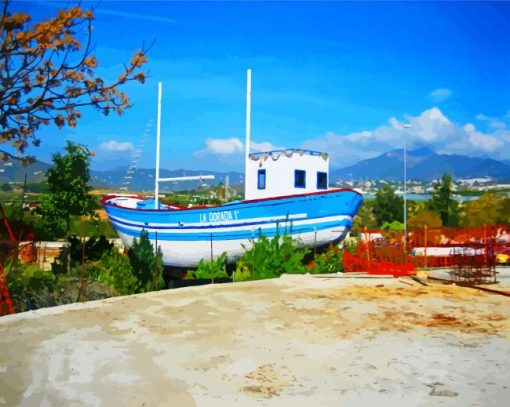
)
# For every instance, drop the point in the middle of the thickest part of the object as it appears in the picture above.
(332, 76)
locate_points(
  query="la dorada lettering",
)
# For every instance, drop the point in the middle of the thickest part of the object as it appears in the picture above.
(221, 216)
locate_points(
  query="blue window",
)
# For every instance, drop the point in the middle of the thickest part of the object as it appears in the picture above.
(261, 184)
(322, 180)
(300, 179)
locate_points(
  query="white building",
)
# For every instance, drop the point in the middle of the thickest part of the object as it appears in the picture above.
(286, 172)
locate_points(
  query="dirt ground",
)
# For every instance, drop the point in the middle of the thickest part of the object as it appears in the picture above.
(297, 340)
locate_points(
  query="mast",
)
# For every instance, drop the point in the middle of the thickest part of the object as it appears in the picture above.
(247, 177)
(158, 136)
(157, 178)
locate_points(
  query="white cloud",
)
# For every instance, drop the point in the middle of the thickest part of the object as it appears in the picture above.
(483, 142)
(440, 94)
(431, 128)
(231, 146)
(114, 146)
(218, 146)
(493, 122)
(264, 146)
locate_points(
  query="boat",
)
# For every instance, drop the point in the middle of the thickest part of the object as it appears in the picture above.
(286, 192)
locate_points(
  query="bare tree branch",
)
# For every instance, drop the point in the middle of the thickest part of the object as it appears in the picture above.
(41, 86)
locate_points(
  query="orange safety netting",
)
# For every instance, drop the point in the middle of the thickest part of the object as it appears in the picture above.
(438, 247)
(372, 261)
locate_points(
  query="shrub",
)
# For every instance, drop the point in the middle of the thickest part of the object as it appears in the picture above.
(30, 286)
(351, 244)
(93, 227)
(425, 218)
(394, 226)
(270, 258)
(147, 267)
(47, 229)
(115, 271)
(210, 269)
(95, 248)
(330, 261)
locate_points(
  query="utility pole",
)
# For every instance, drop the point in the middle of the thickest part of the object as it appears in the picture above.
(24, 192)
(405, 126)
(226, 187)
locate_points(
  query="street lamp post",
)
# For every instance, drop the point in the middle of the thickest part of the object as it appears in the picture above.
(405, 126)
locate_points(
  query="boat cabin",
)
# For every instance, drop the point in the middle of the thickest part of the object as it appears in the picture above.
(286, 172)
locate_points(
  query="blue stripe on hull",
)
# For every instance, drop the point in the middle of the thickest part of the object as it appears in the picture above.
(210, 227)
(234, 235)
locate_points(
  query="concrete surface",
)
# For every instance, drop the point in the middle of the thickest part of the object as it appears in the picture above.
(295, 341)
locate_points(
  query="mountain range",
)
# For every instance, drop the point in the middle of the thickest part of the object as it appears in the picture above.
(143, 179)
(422, 164)
(139, 180)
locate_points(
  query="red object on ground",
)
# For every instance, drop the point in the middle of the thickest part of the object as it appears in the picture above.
(7, 226)
(375, 262)
(6, 305)
(476, 245)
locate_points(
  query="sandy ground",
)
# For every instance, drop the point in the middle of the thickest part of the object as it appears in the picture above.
(295, 341)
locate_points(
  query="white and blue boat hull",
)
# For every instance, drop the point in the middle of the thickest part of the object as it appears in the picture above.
(188, 235)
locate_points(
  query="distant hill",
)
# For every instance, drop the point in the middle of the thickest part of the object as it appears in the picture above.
(14, 171)
(143, 179)
(422, 164)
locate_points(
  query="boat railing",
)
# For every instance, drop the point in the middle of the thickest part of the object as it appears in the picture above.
(289, 152)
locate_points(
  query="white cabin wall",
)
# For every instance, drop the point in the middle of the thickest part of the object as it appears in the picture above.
(280, 175)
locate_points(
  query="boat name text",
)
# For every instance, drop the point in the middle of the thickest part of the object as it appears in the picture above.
(219, 216)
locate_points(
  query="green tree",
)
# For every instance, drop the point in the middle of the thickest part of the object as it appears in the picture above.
(69, 192)
(425, 218)
(443, 203)
(49, 73)
(505, 210)
(490, 209)
(147, 266)
(388, 207)
(365, 216)
(219, 192)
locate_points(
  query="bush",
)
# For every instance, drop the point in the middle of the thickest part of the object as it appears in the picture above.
(115, 271)
(425, 218)
(271, 258)
(14, 212)
(394, 226)
(47, 229)
(93, 227)
(210, 269)
(95, 248)
(330, 261)
(351, 244)
(147, 267)
(31, 287)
